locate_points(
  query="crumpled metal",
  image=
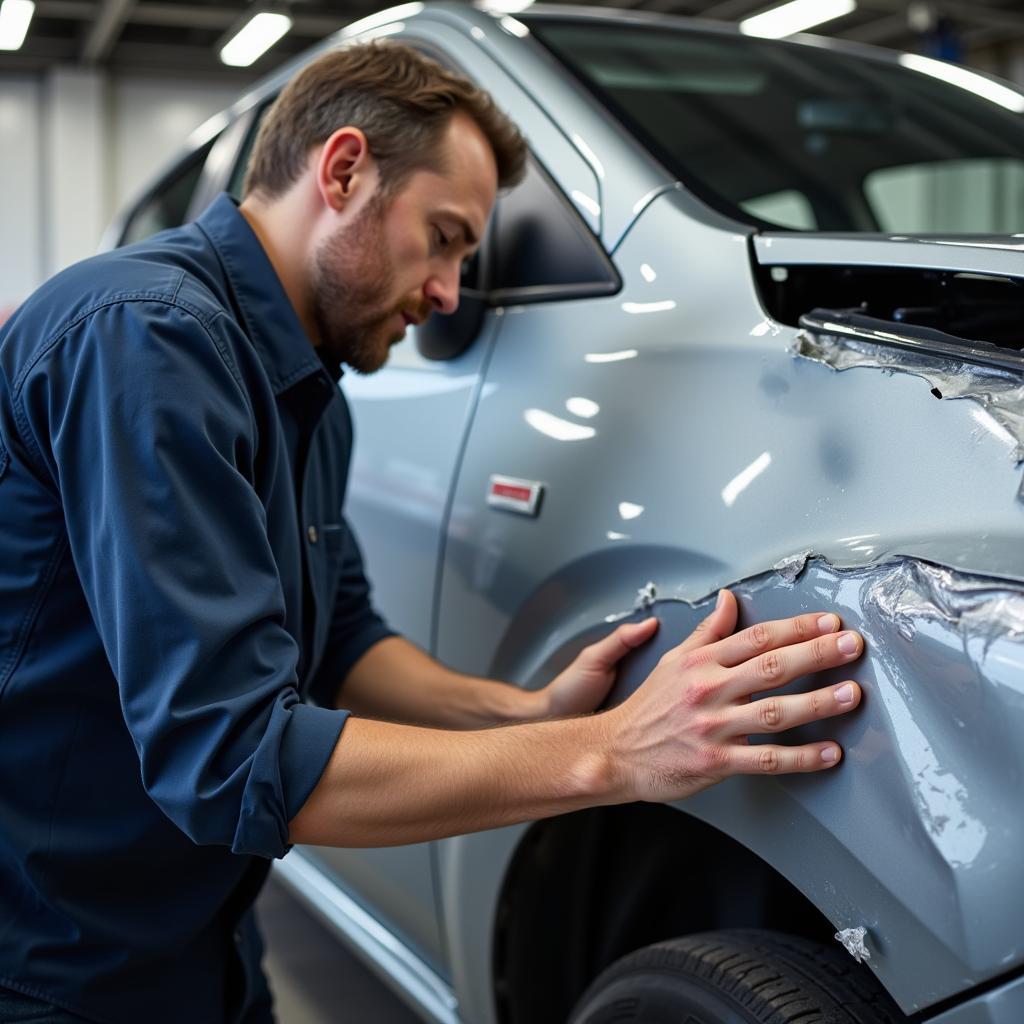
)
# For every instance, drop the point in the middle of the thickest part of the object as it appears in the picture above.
(999, 392)
(646, 596)
(908, 591)
(853, 941)
(789, 568)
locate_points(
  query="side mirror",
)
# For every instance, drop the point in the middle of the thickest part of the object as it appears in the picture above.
(445, 336)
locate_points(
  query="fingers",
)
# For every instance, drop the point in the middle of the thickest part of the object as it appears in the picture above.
(616, 645)
(776, 668)
(767, 636)
(774, 714)
(720, 623)
(769, 759)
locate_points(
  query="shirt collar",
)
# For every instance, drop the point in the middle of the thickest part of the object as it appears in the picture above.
(269, 318)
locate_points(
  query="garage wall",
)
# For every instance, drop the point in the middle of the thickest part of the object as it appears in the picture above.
(21, 238)
(75, 145)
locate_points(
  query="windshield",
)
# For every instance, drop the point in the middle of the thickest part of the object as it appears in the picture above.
(802, 137)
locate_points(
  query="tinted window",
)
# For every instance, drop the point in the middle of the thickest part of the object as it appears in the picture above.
(168, 204)
(242, 164)
(798, 135)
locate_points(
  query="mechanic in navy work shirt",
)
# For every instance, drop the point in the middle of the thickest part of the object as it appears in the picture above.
(183, 610)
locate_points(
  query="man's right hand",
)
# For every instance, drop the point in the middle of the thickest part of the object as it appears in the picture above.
(687, 725)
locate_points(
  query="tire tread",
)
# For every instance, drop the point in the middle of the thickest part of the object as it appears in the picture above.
(806, 983)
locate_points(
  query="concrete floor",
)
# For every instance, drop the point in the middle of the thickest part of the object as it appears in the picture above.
(314, 978)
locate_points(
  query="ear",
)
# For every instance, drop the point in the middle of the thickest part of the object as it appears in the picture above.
(344, 167)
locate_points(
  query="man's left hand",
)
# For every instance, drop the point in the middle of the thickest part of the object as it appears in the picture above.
(580, 688)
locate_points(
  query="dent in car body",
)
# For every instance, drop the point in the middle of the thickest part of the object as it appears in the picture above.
(919, 806)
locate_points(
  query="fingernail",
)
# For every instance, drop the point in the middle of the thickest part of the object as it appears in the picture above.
(845, 694)
(721, 598)
(827, 623)
(829, 755)
(847, 644)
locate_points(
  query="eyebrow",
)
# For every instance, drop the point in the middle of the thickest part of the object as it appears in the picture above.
(467, 231)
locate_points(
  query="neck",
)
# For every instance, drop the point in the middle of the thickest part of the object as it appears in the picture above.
(284, 232)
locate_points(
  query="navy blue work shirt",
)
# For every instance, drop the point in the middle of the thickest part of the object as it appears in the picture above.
(176, 577)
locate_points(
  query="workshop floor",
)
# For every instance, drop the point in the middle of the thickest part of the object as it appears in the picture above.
(314, 978)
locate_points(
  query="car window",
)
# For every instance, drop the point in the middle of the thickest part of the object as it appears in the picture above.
(738, 118)
(982, 195)
(167, 205)
(787, 208)
(237, 178)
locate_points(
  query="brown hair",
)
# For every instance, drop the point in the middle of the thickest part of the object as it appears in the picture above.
(401, 100)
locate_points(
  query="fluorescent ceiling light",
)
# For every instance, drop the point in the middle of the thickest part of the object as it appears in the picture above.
(797, 16)
(506, 6)
(254, 39)
(15, 16)
(970, 80)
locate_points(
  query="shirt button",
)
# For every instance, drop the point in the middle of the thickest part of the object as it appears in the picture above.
(312, 534)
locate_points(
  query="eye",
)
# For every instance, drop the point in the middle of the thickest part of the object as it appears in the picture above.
(441, 240)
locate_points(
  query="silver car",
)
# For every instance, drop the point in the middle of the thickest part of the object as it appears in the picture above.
(753, 320)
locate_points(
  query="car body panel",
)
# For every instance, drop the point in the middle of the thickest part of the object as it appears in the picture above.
(916, 836)
(984, 254)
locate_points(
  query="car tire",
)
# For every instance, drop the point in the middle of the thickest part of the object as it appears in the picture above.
(736, 977)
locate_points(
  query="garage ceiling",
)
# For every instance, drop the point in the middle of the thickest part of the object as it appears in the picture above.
(164, 37)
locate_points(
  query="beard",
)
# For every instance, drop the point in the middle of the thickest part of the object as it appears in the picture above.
(353, 281)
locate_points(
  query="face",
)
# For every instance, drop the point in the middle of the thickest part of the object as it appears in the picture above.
(397, 259)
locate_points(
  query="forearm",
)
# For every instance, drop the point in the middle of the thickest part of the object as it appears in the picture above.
(397, 682)
(388, 784)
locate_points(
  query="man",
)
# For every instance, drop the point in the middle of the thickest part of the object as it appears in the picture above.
(177, 580)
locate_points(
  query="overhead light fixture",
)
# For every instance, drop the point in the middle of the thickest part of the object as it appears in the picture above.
(970, 80)
(797, 16)
(253, 40)
(505, 6)
(15, 16)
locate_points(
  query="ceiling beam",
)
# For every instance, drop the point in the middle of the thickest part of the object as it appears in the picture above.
(880, 30)
(971, 13)
(223, 18)
(106, 30)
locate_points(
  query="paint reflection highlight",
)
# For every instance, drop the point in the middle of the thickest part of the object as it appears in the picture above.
(739, 483)
(555, 427)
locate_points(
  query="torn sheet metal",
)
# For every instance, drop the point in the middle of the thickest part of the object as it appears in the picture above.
(999, 392)
(646, 598)
(790, 568)
(909, 592)
(853, 941)
(903, 591)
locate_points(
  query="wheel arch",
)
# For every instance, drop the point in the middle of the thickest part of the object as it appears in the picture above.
(584, 889)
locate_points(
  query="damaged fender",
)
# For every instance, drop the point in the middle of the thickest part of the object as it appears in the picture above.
(916, 837)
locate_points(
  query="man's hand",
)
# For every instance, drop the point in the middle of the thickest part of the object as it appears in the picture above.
(582, 686)
(686, 727)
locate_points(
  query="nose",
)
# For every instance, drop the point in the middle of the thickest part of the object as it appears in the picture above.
(442, 291)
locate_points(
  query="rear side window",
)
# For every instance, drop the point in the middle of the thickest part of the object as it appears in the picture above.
(242, 164)
(168, 204)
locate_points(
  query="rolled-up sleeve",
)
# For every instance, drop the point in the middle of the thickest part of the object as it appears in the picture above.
(141, 419)
(355, 625)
